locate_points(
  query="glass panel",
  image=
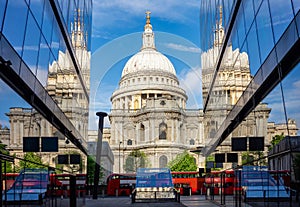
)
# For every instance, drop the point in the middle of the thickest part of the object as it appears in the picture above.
(43, 62)
(265, 35)
(286, 41)
(9, 54)
(235, 40)
(241, 30)
(253, 50)
(269, 64)
(16, 14)
(55, 41)
(257, 4)
(298, 23)
(274, 101)
(64, 6)
(31, 44)
(248, 13)
(37, 9)
(291, 85)
(2, 8)
(281, 16)
(27, 75)
(71, 18)
(296, 5)
(227, 7)
(48, 22)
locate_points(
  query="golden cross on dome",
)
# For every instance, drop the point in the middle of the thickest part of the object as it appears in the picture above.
(148, 25)
(148, 14)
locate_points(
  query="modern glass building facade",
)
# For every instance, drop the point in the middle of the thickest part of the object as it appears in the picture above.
(250, 72)
(264, 37)
(45, 67)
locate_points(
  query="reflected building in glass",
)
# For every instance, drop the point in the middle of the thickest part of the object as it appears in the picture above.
(249, 68)
(231, 81)
(45, 65)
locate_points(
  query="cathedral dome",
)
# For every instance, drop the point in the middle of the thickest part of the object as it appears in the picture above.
(148, 59)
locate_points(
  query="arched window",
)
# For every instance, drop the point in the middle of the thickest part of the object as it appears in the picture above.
(163, 161)
(192, 142)
(136, 104)
(163, 131)
(129, 142)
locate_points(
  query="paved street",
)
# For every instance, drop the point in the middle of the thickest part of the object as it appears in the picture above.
(126, 202)
(186, 201)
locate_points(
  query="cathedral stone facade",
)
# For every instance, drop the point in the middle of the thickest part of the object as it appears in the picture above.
(149, 109)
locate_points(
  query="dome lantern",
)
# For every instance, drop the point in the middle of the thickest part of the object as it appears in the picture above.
(148, 59)
(148, 35)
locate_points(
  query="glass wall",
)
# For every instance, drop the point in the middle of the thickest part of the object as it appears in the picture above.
(32, 30)
(45, 72)
(244, 43)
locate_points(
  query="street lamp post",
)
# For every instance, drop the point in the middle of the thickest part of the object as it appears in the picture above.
(120, 157)
(98, 153)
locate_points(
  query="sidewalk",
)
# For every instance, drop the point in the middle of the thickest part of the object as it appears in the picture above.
(186, 201)
(196, 200)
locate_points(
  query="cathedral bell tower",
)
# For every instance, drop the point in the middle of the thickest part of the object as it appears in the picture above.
(77, 32)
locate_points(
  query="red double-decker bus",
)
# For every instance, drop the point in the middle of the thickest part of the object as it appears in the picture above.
(8, 180)
(217, 181)
(188, 180)
(61, 184)
(123, 184)
(120, 184)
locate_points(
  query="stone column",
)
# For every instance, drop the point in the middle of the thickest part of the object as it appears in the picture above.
(172, 131)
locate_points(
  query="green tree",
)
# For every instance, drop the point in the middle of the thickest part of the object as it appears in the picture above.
(135, 160)
(183, 162)
(247, 158)
(253, 158)
(91, 170)
(8, 165)
(31, 160)
(275, 140)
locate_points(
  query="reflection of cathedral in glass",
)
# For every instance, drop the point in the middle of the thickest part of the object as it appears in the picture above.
(231, 81)
(63, 83)
(149, 109)
(69, 87)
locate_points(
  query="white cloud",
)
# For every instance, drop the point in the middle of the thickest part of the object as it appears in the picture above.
(117, 12)
(291, 91)
(100, 103)
(5, 123)
(191, 82)
(183, 48)
(36, 48)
